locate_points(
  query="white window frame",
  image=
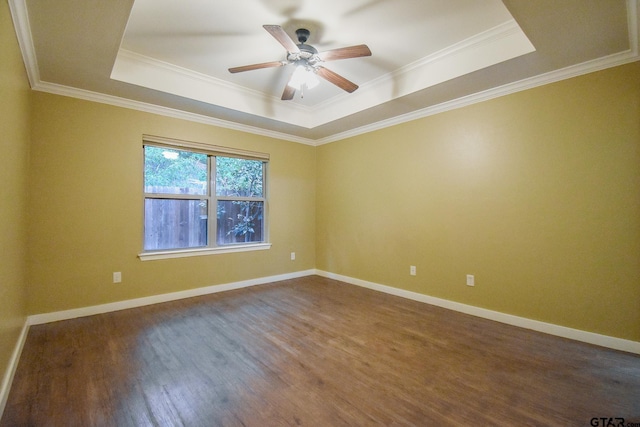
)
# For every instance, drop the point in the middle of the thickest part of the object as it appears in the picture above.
(211, 197)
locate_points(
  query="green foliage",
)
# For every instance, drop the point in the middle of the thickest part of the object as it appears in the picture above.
(238, 177)
(172, 171)
(244, 226)
(187, 170)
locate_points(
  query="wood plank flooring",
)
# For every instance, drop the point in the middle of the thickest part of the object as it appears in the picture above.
(311, 352)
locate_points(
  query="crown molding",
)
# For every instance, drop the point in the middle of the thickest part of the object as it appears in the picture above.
(116, 101)
(20, 17)
(497, 44)
(134, 68)
(530, 83)
(615, 60)
(21, 22)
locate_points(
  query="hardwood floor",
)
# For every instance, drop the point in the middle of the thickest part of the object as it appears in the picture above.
(313, 352)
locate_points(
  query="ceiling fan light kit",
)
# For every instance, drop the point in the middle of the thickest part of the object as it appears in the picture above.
(303, 76)
(307, 60)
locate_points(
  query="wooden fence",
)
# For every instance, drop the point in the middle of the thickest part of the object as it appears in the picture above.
(178, 223)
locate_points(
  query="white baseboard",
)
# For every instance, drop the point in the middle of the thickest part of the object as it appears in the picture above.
(11, 368)
(522, 322)
(38, 319)
(561, 331)
(548, 328)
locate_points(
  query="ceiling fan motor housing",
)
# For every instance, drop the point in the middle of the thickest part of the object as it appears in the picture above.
(302, 34)
(308, 53)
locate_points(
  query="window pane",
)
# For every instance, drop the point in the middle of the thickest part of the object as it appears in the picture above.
(240, 222)
(238, 177)
(174, 224)
(170, 171)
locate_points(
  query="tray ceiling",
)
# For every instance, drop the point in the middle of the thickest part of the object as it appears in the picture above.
(173, 57)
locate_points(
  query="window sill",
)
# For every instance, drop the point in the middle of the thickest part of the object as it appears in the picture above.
(182, 253)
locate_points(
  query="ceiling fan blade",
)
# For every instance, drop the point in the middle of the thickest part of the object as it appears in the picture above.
(257, 66)
(345, 53)
(283, 38)
(336, 79)
(287, 94)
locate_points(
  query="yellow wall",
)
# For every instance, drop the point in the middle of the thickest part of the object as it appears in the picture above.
(534, 193)
(537, 194)
(14, 158)
(86, 205)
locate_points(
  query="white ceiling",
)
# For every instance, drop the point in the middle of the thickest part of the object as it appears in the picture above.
(172, 57)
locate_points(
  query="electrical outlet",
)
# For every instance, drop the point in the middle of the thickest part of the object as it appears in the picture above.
(471, 280)
(117, 277)
(412, 270)
(293, 256)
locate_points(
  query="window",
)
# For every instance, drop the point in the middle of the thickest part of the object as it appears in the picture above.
(198, 197)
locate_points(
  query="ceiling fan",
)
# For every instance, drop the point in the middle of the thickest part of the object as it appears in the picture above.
(307, 60)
